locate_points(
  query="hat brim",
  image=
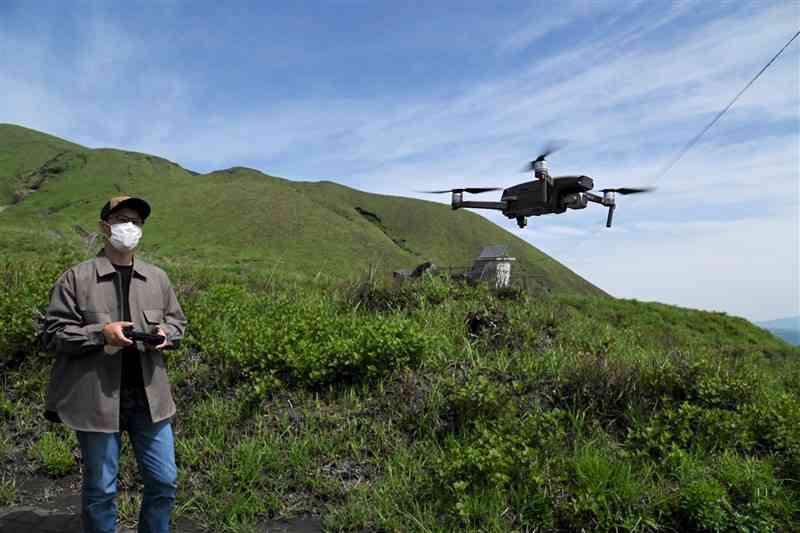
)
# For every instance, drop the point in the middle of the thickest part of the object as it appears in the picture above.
(137, 204)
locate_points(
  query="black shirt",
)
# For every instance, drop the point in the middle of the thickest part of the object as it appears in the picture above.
(131, 364)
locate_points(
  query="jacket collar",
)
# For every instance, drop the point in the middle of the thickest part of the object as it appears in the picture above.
(103, 266)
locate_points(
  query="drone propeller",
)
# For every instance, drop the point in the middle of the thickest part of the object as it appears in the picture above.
(552, 147)
(471, 190)
(548, 149)
(626, 190)
(608, 200)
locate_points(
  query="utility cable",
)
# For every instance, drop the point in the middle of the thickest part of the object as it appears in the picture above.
(697, 137)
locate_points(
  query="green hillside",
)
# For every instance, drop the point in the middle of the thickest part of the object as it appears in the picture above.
(22, 153)
(242, 217)
(435, 406)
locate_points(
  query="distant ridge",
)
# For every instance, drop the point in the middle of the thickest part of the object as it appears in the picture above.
(241, 216)
(787, 329)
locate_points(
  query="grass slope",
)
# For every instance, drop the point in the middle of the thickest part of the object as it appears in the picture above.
(22, 152)
(438, 407)
(242, 217)
(432, 231)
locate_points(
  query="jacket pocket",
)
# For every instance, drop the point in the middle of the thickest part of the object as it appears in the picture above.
(153, 317)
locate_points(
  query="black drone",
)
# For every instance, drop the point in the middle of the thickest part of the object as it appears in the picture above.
(544, 195)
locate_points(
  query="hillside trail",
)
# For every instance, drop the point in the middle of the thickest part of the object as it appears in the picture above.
(53, 506)
(46, 520)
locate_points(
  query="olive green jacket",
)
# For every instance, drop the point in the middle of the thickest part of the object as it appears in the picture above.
(84, 386)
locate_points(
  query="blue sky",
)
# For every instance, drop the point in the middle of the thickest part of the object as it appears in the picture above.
(390, 97)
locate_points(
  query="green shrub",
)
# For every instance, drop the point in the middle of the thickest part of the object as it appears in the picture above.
(24, 292)
(479, 398)
(25, 285)
(775, 426)
(307, 341)
(509, 457)
(8, 490)
(691, 427)
(607, 492)
(769, 427)
(729, 493)
(6, 406)
(607, 387)
(6, 443)
(371, 294)
(53, 453)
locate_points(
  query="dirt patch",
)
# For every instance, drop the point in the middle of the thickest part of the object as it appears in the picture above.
(46, 505)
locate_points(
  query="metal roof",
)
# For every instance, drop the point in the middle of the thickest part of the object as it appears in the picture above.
(495, 250)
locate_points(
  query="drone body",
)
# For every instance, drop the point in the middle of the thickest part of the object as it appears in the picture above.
(542, 196)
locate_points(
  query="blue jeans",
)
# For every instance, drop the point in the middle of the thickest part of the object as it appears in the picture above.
(154, 448)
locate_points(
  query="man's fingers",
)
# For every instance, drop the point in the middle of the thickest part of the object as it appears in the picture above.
(164, 334)
(121, 334)
(122, 341)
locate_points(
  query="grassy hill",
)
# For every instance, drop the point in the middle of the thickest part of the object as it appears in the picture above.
(243, 217)
(436, 407)
(22, 153)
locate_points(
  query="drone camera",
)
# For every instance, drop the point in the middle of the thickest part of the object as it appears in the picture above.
(575, 201)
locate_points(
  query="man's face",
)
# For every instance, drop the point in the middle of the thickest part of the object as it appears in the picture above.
(121, 216)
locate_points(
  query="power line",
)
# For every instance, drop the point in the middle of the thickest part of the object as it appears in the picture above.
(697, 137)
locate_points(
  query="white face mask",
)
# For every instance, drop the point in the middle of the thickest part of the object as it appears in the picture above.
(125, 237)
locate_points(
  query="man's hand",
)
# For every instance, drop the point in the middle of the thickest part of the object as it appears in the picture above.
(114, 335)
(166, 341)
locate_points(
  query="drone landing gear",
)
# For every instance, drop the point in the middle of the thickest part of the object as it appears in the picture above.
(522, 222)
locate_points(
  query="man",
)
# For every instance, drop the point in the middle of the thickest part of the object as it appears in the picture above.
(102, 383)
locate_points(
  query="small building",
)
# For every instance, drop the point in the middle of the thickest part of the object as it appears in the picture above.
(493, 265)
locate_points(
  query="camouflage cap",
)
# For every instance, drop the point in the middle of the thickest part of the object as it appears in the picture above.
(118, 202)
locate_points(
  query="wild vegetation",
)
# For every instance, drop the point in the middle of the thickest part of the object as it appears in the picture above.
(439, 406)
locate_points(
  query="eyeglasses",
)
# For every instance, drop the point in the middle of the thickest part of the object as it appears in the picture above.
(124, 220)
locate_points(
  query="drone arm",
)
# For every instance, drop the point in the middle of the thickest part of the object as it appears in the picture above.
(594, 198)
(500, 206)
(607, 200)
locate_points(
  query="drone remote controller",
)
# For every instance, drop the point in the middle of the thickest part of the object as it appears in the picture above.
(151, 339)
